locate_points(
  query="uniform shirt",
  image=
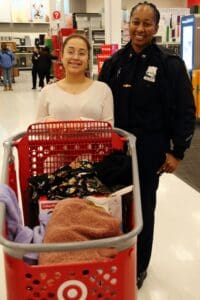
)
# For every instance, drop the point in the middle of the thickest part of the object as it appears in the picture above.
(139, 80)
(152, 94)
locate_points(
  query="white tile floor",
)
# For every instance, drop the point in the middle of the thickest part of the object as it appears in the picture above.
(174, 272)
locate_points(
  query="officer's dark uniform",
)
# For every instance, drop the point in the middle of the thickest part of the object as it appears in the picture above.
(153, 100)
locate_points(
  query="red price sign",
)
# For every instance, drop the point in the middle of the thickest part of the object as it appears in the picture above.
(56, 15)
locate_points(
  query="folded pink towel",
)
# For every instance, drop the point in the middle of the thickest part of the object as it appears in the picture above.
(77, 220)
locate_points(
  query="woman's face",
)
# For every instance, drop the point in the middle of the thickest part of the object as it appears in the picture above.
(75, 56)
(142, 27)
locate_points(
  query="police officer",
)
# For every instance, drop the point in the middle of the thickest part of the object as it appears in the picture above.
(153, 100)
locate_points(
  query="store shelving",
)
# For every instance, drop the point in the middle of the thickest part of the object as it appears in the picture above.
(24, 59)
(173, 46)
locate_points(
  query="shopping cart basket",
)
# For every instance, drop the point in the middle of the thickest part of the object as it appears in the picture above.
(44, 147)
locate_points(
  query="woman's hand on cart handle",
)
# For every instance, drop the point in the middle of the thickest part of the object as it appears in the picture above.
(50, 119)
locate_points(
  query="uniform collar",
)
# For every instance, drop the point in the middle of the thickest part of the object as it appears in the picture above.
(144, 53)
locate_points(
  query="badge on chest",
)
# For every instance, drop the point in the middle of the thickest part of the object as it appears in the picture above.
(150, 74)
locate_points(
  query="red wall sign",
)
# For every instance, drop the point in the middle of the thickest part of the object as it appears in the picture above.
(56, 15)
(193, 2)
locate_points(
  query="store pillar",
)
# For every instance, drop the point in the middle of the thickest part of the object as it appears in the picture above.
(113, 20)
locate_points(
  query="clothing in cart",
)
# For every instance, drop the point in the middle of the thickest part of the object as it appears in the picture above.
(153, 100)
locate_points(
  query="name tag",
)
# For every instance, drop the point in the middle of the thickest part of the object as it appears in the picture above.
(127, 85)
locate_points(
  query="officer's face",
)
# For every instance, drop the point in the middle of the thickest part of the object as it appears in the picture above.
(142, 27)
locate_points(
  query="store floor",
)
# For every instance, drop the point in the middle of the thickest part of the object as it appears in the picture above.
(174, 271)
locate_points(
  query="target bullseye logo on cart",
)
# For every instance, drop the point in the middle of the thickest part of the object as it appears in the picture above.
(72, 289)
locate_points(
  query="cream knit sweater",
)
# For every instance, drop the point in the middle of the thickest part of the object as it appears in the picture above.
(96, 103)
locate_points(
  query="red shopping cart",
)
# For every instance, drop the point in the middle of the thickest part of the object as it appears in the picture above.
(43, 148)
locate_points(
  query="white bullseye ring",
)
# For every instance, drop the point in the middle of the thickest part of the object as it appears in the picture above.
(71, 292)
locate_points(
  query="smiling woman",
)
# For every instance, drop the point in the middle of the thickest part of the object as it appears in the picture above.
(76, 96)
(75, 55)
(143, 26)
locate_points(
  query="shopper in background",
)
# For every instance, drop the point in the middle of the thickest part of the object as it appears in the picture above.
(44, 65)
(35, 57)
(153, 100)
(76, 96)
(6, 63)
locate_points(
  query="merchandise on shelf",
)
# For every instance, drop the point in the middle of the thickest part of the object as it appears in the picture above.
(196, 90)
(56, 44)
(106, 51)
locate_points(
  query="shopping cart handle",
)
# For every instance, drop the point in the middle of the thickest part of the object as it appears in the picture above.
(8, 144)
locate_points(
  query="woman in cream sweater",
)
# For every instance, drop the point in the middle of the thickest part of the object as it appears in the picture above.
(75, 96)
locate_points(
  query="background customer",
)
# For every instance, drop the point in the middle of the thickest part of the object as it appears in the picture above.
(6, 63)
(35, 57)
(153, 100)
(44, 65)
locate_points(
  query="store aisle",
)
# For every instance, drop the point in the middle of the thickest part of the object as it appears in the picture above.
(175, 266)
(17, 107)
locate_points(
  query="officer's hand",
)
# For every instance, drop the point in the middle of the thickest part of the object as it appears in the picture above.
(169, 165)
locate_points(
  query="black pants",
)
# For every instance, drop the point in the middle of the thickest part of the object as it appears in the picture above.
(42, 75)
(151, 151)
(34, 77)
